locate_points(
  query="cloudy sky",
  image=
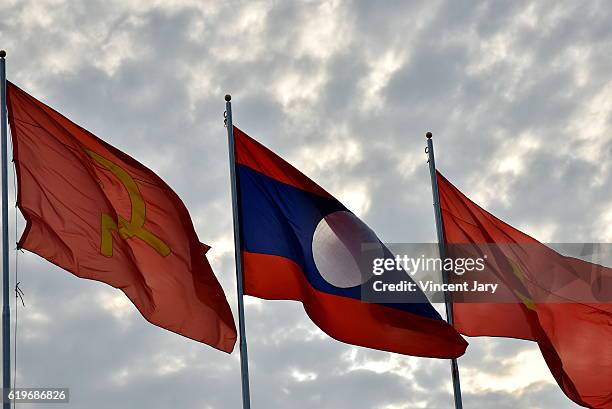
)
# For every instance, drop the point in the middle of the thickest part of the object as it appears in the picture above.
(517, 94)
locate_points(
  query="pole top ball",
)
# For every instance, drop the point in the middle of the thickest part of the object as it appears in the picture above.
(428, 135)
(228, 97)
(2, 53)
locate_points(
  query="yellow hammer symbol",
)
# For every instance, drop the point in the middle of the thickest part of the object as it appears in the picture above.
(126, 228)
(516, 270)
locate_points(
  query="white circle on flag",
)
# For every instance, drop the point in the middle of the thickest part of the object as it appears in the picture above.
(337, 249)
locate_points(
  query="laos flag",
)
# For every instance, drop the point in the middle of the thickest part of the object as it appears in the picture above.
(299, 243)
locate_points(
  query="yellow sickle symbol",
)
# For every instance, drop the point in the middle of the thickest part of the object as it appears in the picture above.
(126, 228)
(521, 276)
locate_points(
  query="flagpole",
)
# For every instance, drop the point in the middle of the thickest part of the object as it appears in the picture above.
(244, 359)
(6, 308)
(442, 250)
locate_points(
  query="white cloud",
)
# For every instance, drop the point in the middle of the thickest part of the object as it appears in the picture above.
(514, 93)
(520, 372)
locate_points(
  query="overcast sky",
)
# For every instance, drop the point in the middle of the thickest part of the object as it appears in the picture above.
(517, 94)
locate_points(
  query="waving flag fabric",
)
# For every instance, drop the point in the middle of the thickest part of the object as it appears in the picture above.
(575, 337)
(300, 243)
(98, 213)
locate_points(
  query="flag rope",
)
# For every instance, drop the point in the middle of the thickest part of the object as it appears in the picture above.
(18, 291)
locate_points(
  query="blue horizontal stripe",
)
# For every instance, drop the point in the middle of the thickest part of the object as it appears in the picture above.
(279, 219)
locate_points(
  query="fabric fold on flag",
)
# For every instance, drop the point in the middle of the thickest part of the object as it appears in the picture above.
(100, 214)
(575, 338)
(300, 243)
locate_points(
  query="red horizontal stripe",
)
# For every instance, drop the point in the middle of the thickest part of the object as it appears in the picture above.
(251, 153)
(346, 319)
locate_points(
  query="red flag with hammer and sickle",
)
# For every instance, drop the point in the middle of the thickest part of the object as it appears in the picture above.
(562, 303)
(100, 214)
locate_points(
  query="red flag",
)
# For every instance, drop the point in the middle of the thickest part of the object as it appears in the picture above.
(575, 337)
(98, 213)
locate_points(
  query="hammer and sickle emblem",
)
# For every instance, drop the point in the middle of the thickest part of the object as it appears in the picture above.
(126, 228)
(516, 270)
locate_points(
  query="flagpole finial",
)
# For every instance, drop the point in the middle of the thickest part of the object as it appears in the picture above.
(428, 135)
(228, 97)
(2, 53)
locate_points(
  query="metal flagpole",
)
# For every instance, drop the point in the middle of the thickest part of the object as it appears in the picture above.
(442, 250)
(6, 308)
(244, 359)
